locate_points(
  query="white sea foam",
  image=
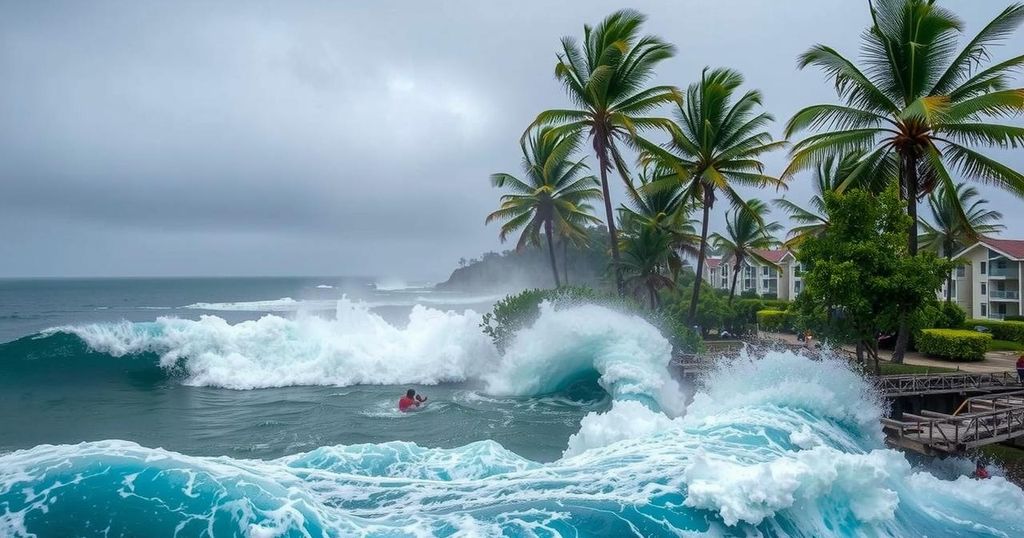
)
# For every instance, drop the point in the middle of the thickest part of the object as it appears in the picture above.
(357, 347)
(324, 287)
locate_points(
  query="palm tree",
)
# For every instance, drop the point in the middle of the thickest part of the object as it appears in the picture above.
(746, 233)
(646, 250)
(604, 77)
(716, 146)
(948, 234)
(553, 195)
(918, 103)
(665, 209)
(830, 176)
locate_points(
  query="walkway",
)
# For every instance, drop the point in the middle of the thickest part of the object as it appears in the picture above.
(982, 420)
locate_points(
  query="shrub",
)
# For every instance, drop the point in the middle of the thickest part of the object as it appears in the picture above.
(1014, 318)
(775, 320)
(1001, 330)
(953, 344)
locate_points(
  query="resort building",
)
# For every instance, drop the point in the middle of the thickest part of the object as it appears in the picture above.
(781, 279)
(987, 283)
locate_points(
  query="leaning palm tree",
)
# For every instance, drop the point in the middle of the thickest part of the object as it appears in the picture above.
(605, 77)
(918, 104)
(830, 176)
(552, 195)
(716, 146)
(949, 234)
(646, 253)
(746, 233)
(665, 209)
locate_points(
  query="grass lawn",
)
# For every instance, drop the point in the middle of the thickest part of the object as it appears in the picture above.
(1005, 345)
(889, 368)
(1010, 458)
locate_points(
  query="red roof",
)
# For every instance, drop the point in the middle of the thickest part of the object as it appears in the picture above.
(713, 262)
(774, 256)
(1011, 247)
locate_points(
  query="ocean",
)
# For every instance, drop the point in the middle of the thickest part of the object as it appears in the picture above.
(267, 407)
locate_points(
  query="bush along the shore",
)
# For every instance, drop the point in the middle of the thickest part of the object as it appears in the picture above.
(521, 310)
(775, 320)
(1001, 330)
(953, 344)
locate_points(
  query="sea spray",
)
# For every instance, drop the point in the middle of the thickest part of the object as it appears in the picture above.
(358, 347)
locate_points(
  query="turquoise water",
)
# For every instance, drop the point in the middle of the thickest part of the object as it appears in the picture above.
(282, 424)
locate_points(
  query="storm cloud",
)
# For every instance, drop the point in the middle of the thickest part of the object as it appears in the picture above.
(266, 138)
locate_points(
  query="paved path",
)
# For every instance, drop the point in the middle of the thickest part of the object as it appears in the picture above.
(995, 361)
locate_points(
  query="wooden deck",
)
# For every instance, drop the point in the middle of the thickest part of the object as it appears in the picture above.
(982, 420)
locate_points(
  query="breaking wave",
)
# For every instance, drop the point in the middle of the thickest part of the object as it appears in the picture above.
(776, 445)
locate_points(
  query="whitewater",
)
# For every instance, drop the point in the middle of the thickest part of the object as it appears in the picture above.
(772, 445)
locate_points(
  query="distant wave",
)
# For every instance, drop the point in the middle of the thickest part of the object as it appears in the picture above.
(324, 287)
(287, 304)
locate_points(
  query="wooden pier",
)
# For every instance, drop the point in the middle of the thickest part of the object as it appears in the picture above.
(892, 386)
(981, 420)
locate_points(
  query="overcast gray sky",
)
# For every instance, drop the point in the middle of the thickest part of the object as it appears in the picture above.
(328, 138)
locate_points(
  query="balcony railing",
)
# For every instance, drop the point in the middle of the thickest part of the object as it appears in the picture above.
(1003, 272)
(993, 315)
(1004, 294)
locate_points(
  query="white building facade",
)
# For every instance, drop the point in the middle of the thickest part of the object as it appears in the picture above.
(780, 279)
(987, 284)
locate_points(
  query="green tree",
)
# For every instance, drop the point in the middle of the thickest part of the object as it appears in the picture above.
(949, 234)
(716, 145)
(665, 209)
(918, 103)
(553, 194)
(646, 255)
(746, 232)
(859, 279)
(605, 78)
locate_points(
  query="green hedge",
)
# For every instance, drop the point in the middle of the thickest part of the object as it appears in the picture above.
(775, 320)
(954, 344)
(1001, 330)
(1014, 318)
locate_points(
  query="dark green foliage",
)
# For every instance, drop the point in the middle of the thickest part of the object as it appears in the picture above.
(858, 276)
(1001, 330)
(1014, 318)
(516, 312)
(952, 344)
(776, 320)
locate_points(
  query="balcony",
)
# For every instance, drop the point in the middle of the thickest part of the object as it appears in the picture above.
(1010, 272)
(1005, 295)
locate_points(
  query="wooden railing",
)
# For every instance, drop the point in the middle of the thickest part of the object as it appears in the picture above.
(951, 434)
(908, 385)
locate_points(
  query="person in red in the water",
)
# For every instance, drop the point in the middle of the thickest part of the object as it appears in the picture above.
(1020, 369)
(980, 472)
(411, 401)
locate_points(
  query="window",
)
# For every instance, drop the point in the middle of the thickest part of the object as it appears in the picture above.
(983, 267)
(952, 289)
(766, 283)
(764, 271)
(748, 283)
(961, 271)
(984, 310)
(725, 282)
(984, 288)
(798, 287)
(797, 270)
(724, 270)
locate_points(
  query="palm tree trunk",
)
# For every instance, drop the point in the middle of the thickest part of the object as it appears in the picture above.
(949, 279)
(551, 252)
(653, 296)
(565, 261)
(601, 148)
(708, 200)
(735, 277)
(910, 186)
